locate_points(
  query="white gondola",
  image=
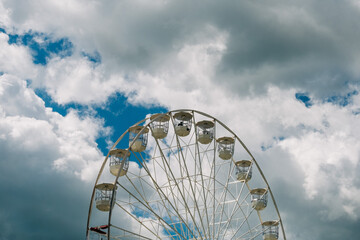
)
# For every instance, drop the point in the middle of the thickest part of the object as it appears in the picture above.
(270, 230)
(243, 170)
(182, 185)
(182, 121)
(226, 147)
(259, 198)
(116, 158)
(160, 125)
(205, 131)
(103, 196)
(140, 143)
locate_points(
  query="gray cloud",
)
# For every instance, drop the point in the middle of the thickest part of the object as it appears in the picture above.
(38, 191)
(35, 198)
(302, 219)
(309, 47)
(290, 45)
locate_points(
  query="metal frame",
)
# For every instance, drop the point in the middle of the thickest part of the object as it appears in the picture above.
(194, 206)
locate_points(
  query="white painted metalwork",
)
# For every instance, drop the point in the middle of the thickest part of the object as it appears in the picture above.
(116, 157)
(205, 131)
(259, 198)
(179, 187)
(159, 125)
(138, 142)
(104, 193)
(182, 122)
(270, 230)
(243, 170)
(226, 147)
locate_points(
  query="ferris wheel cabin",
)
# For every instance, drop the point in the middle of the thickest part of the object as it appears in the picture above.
(117, 156)
(103, 196)
(182, 121)
(270, 230)
(226, 147)
(138, 144)
(259, 198)
(205, 131)
(159, 125)
(243, 170)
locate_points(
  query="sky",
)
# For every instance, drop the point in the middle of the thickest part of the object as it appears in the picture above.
(75, 74)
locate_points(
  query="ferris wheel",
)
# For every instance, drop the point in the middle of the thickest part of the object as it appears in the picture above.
(182, 175)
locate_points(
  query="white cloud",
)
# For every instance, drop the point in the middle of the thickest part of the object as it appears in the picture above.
(242, 64)
(28, 125)
(45, 16)
(321, 140)
(77, 146)
(15, 59)
(76, 79)
(4, 15)
(189, 73)
(329, 157)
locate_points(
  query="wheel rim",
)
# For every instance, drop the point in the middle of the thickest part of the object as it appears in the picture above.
(179, 188)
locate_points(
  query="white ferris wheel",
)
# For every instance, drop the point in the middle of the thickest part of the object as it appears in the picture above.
(182, 175)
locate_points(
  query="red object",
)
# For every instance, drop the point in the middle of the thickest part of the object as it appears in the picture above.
(96, 229)
(104, 226)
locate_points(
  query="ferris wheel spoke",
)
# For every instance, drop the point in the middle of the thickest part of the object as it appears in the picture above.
(129, 232)
(198, 158)
(239, 205)
(175, 198)
(203, 189)
(246, 216)
(147, 206)
(212, 163)
(163, 196)
(246, 221)
(224, 202)
(187, 174)
(234, 207)
(198, 176)
(255, 230)
(210, 182)
(136, 219)
(183, 188)
(187, 208)
(223, 193)
(166, 166)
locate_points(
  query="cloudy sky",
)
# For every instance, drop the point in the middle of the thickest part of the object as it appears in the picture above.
(74, 74)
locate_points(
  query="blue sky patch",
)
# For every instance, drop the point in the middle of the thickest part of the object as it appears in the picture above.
(94, 58)
(120, 115)
(265, 147)
(356, 112)
(50, 103)
(42, 46)
(179, 227)
(342, 100)
(117, 114)
(304, 98)
(139, 212)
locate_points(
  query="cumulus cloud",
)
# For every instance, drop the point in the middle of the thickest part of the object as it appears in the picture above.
(282, 43)
(243, 63)
(15, 59)
(329, 157)
(45, 158)
(30, 125)
(76, 79)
